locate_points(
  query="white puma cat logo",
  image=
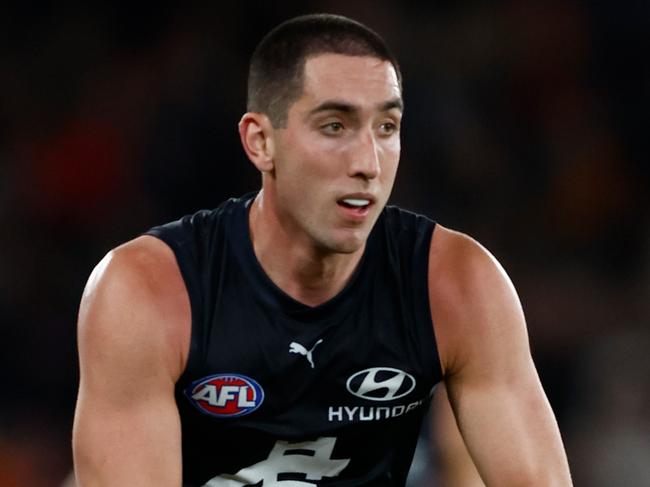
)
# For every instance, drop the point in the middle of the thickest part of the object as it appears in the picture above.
(295, 347)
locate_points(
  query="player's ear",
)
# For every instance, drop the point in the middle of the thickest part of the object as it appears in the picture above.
(255, 130)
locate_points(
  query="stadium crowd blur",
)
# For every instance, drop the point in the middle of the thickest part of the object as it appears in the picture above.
(525, 126)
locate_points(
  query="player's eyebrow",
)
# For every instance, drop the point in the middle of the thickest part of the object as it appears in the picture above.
(333, 105)
(345, 107)
(390, 104)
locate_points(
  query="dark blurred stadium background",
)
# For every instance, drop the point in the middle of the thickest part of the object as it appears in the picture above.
(526, 126)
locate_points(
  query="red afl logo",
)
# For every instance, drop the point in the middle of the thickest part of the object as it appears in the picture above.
(225, 395)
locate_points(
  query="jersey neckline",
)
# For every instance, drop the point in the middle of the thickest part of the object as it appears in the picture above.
(271, 294)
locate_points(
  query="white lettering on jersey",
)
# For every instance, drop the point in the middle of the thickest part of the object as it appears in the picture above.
(219, 397)
(226, 393)
(369, 413)
(311, 458)
(242, 398)
(208, 393)
(338, 413)
(350, 411)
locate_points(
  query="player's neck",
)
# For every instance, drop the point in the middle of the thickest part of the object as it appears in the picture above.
(295, 265)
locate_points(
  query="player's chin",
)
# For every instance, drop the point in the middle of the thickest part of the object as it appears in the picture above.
(349, 241)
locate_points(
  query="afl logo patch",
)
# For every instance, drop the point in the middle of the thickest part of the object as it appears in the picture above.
(225, 395)
(380, 384)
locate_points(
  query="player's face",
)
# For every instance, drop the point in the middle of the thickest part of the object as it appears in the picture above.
(335, 162)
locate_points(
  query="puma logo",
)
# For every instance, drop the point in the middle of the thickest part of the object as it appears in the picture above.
(295, 347)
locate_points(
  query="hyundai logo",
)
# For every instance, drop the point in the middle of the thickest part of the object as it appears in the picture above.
(380, 384)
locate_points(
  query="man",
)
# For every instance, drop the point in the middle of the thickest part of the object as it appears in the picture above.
(294, 336)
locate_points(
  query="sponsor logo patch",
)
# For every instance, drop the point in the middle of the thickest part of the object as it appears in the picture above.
(225, 395)
(380, 384)
(295, 347)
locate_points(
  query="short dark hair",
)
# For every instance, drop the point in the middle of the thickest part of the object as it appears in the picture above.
(276, 72)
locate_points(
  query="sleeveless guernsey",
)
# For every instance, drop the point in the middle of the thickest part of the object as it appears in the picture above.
(276, 392)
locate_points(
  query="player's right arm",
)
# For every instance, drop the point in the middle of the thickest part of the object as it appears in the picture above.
(133, 332)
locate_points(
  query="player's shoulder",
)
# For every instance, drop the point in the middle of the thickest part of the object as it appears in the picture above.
(457, 259)
(465, 279)
(135, 298)
(472, 298)
(144, 265)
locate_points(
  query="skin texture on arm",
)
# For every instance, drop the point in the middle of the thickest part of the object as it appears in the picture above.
(493, 386)
(134, 328)
(455, 466)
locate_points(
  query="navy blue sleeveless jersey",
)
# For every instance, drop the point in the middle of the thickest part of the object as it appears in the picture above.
(277, 392)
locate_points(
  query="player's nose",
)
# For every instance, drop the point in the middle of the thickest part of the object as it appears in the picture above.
(365, 158)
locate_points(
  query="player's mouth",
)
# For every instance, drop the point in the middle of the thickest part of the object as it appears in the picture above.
(357, 206)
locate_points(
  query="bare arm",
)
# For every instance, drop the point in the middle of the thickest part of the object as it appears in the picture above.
(456, 467)
(499, 404)
(133, 339)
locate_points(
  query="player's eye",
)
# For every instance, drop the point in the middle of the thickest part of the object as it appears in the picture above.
(332, 128)
(388, 128)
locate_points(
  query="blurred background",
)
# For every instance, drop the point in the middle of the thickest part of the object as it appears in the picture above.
(525, 126)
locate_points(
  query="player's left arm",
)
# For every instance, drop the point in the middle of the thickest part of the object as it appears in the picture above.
(502, 411)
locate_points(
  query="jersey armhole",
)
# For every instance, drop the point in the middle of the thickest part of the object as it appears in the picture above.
(421, 294)
(187, 263)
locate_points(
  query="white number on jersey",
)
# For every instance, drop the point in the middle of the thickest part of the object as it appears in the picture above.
(288, 457)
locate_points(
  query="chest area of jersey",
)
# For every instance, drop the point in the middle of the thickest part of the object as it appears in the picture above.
(265, 368)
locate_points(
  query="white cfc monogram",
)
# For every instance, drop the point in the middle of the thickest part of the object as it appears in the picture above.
(311, 458)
